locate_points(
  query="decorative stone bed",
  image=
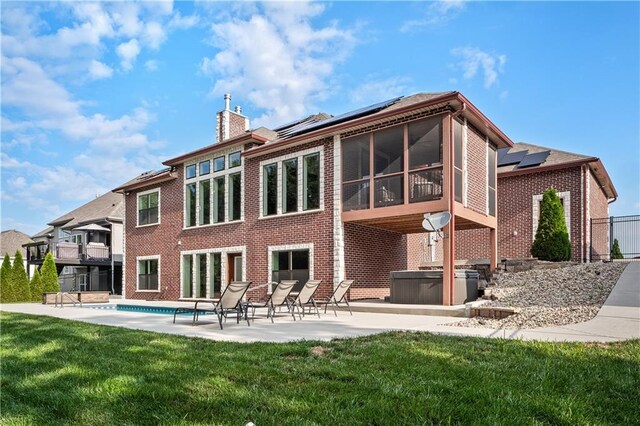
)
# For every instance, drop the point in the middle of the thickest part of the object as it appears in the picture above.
(547, 297)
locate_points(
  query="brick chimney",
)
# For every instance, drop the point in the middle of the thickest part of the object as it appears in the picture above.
(230, 123)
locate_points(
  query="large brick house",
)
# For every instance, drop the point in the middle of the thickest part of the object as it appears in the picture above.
(320, 198)
(584, 188)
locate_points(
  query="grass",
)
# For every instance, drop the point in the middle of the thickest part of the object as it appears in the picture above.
(64, 372)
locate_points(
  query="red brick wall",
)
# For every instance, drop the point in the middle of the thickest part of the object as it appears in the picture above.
(515, 203)
(236, 124)
(370, 255)
(515, 194)
(476, 171)
(473, 244)
(598, 209)
(316, 228)
(256, 234)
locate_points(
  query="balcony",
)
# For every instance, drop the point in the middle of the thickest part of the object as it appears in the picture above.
(68, 252)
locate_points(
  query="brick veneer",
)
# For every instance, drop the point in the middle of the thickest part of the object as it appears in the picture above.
(254, 234)
(598, 209)
(515, 209)
(476, 171)
(370, 255)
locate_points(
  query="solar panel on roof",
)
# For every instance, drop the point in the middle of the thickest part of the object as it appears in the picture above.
(512, 158)
(501, 153)
(346, 116)
(534, 159)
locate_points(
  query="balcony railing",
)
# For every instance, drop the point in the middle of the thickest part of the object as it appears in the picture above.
(69, 251)
(424, 185)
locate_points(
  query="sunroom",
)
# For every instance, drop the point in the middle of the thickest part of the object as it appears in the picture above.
(417, 162)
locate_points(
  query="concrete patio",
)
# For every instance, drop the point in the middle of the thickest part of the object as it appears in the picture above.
(618, 319)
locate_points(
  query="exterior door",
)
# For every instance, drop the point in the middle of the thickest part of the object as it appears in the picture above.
(234, 262)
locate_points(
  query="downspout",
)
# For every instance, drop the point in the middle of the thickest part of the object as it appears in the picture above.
(457, 113)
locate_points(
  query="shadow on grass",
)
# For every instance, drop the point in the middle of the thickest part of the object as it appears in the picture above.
(63, 372)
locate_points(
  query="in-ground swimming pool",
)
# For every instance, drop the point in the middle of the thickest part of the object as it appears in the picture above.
(162, 310)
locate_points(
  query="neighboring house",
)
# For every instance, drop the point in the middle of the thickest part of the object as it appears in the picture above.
(87, 244)
(12, 241)
(320, 198)
(525, 171)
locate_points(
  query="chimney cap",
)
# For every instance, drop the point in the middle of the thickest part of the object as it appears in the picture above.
(238, 109)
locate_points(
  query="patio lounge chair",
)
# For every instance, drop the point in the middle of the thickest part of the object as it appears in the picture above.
(339, 295)
(305, 297)
(278, 298)
(230, 301)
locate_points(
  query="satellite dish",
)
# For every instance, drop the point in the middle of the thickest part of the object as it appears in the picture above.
(435, 222)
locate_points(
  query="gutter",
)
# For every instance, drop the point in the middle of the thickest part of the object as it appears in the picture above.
(327, 131)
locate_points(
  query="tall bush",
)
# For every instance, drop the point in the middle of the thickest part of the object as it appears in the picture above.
(552, 239)
(20, 280)
(36, 287)
(49, 275)
(6, 287)
(616, 253)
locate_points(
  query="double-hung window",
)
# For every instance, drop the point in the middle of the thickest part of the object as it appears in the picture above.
(148, 278)
(149, 207)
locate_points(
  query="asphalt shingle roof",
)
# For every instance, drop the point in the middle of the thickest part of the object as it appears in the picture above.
(555, 157)
(12, 240)
(109, 205)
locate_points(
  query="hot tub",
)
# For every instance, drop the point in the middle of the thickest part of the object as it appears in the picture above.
(425, 287)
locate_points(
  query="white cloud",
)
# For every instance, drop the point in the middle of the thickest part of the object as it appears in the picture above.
(93, 29)
(103, 137)
(472, 59)
(278, 61)
(151, 65)
(125, 16)
(41, 63)
(128, 52)
(183, 22)
(438, 13)
(375, 90)
(153, 35)
(98, 70)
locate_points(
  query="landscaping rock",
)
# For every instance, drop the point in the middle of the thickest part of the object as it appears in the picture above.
(550, 297)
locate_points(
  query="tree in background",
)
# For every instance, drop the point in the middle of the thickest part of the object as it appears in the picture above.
(552, 239)
(20, 280)
(6, 287)
(616, 253)
(49, 275)
(36, 287)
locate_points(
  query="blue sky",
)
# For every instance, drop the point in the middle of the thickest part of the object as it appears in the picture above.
(95, 93)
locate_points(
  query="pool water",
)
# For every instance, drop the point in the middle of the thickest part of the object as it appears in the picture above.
(162, 310)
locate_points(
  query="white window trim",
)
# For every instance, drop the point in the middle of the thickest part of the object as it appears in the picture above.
(486, 167)
(287, 247)
(566, 202)
(465, 175)
(299, 155)
(149, 191)
(224, 251)
(338, 225)
(211, 176)
(138, 259)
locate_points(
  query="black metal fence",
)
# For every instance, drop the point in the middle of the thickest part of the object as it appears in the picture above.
(606, 231)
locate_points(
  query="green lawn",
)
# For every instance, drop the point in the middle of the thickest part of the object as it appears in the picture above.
(64, 372)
